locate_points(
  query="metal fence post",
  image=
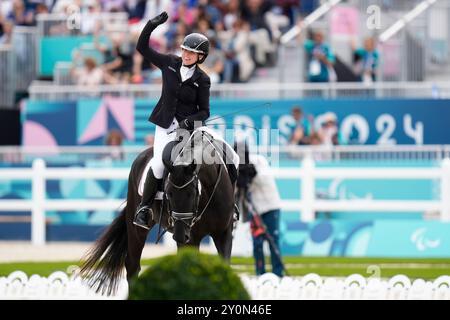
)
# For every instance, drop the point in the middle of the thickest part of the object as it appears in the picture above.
(38, 197)
(308, 189)
(445, 190)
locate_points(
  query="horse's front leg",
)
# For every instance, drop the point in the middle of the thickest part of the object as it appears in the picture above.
(224, 242)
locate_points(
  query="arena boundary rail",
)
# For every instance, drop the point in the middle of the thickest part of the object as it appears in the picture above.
(307, 175)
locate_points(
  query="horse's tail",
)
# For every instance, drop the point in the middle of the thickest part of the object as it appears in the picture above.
(103, 265)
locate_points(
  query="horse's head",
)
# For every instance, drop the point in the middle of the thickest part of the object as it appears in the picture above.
(183, 186)
(183, 190)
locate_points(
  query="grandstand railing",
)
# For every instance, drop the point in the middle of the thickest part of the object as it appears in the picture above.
(77, 22)
(6, 76)
(307, 205)
(25, 44)
(77, 154)
(49, 92)
(416, 53)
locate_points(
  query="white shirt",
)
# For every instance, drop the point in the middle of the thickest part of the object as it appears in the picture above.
(186, 72)
(263, 189)
(86, 78)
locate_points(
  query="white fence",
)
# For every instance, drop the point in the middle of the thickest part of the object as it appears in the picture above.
(307, 174)
(59, 286)
(354, 287)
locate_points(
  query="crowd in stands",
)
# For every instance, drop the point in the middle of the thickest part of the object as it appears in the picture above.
(321, 60)
(244, 33)
(306, 131)
(244, 36)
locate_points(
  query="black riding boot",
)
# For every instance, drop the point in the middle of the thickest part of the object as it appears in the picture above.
(233, 173)
(144, 212)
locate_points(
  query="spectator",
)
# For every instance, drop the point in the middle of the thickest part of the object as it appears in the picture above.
(41, 8)
(179, 31)
(302, 130)
(277, 22)
(237, 52)
(365, 60)
(136, 9)
(6, 29)
(254, 12)
(232, 14)
(290, 9)
(214, 65)
(328, 132)
(118, 64)
(185, 14)
(212, 9)
(89, 74)
(139, 67)
(314, 139)
(204, 28)
(19, 15)
(260, 202)
(5, 8)
(320, 58)
(90, 22)
(114, 139)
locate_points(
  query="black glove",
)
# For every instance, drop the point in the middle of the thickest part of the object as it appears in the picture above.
(160, 19)
(186, 124)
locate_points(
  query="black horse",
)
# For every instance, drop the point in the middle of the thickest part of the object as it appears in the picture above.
(200, 202)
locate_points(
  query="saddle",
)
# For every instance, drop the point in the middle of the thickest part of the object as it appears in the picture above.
(172, 150)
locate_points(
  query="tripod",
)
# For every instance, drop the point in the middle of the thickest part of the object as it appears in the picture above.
(257, 226)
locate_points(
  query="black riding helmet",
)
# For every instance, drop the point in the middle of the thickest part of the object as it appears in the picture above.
(196, 42)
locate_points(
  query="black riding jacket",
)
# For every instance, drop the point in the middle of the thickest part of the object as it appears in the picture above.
(182, 100)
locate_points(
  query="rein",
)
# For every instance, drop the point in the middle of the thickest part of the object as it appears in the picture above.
(187, 215)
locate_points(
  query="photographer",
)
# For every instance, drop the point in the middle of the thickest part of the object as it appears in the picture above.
(259, 202)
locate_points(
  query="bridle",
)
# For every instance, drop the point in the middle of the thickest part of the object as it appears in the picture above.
(194, 215)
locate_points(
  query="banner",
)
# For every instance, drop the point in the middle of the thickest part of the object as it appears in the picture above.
(377, 121)
(381, 121)
(430, 239)
(82, 122)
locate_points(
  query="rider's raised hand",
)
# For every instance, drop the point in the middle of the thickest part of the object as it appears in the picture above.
(160, 19)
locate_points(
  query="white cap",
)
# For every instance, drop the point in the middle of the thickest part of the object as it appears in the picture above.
(330, 116)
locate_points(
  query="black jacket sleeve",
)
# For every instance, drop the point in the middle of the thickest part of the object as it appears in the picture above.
(203, 102)
(143, 47)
